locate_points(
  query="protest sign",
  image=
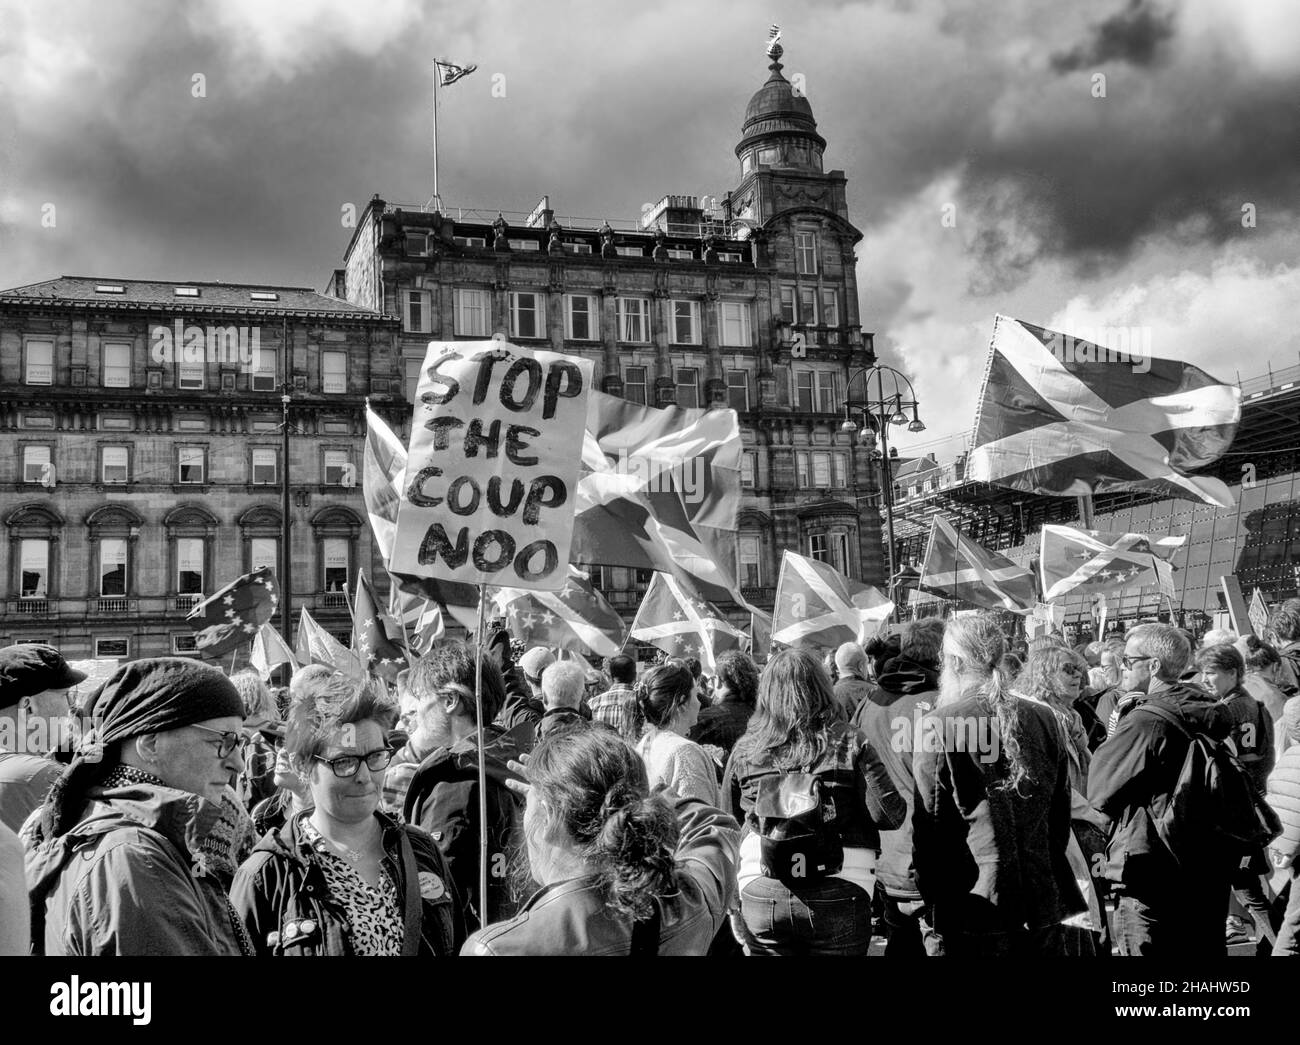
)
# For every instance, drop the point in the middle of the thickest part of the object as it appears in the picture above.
(496, 445)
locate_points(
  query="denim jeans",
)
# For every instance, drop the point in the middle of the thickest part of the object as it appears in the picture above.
(827, 916)
(903, 918)
(1175, 924)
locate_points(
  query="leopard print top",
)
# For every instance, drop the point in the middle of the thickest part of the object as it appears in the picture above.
(374, 912)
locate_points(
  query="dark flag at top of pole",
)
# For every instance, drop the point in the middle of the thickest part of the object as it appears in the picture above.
(231, 617)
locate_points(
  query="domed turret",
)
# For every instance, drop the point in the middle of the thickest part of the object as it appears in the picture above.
(779, 129)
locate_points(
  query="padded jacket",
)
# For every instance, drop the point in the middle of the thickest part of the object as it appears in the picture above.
(572, 918)
(1284, 797)
(282, 897)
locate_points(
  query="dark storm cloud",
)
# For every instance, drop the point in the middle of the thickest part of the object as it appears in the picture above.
(1135, 35)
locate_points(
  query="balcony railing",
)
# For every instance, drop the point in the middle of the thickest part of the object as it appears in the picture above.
(114, 605)
(331, 599)
(186, 602)
(29, 606)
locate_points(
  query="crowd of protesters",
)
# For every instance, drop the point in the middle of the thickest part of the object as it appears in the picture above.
(939, 789)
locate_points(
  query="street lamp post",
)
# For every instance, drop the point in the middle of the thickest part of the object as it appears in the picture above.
(878, 414)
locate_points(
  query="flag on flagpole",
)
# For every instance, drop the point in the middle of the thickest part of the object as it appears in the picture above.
(957, 568)
(1065, 417)
(232, 616)
(315, 645)
(760, 632)
(270, 651)
(450, 72)
(680, 622)
(819, 605)
(420, 618)
(660, 490)
(376, 637)
(575, 617)
(1092, 561)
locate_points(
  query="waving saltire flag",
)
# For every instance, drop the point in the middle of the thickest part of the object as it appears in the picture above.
(232, 616)
(957, 568)
(270, 651)
(315, 645)
(679, 621)
(818, 605)
(575, 617)
(1060, 416)
(420, 618)
(450, 72)
(376, 637)
(1090, 561)
(660, 490)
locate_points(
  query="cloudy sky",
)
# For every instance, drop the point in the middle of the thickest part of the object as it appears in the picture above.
(1068, 208)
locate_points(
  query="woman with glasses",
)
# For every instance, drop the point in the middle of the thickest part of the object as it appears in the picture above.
(344, 877)
(1055, 676)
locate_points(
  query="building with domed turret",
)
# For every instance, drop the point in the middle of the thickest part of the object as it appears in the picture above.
(749, 301)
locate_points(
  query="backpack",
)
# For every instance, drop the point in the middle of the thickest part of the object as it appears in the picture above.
(1214, 804)
(796, 828)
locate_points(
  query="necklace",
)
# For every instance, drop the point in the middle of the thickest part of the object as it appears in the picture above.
(353, 856)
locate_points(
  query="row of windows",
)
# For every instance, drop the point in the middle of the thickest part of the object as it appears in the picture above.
(804, 305)
(419, 244)
(527, 312)
(191, 466)
(115, 368)
(191, 557)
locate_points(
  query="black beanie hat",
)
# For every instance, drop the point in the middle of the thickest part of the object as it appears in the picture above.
(144, 696)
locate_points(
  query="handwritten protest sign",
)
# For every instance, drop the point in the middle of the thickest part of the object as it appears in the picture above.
(496, 441)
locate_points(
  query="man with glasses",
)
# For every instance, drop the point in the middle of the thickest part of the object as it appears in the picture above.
(35, 682)
(1165, 907)
(127, 854)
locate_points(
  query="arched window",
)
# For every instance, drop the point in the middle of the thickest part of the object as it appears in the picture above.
(335, 530)
(259, 535)
(191, 532)
(34, 532)
(113, 531)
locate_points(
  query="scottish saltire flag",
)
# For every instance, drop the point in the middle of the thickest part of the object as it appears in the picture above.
(420, 619)
(1091, 561)
(383, 469)
(1062, 417)
(575, 617)
(376, 638)
(270, 651)
(315, 645)
(660, 490)
(232, 616)
(957, 568)
(450, 72)
(679, 621)
(818, 605)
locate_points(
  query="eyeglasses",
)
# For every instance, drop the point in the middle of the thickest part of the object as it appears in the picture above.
(1128, 662)
(228, 742)
(347, 765)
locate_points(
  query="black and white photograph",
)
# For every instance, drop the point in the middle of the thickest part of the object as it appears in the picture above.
(646, 480)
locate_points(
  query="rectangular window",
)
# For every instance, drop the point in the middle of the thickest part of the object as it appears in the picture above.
(578, 248)
(634, 384)
(112, 567)
(417, 243)
(748, 470)
(808, 306)
(415, 311)
(524, 244)
(527, 314)
(805, 253)
(630, 252)
(469, 241)
(751, 561)
(34, 565)
(334, 372)
(802, 476)
(263, 551)
(184, 645)
(830, 308)
(40, 362)
(826, 399)
(733, 323)
(263, 378)
(818, 547)
(821, 464)
(115, 465)
(738, 390)
(688, 386)
(730, 258)
(815, 391)
(35, 459)
(633, 319)
(803, 390)
(112, 648)
(412, 377)
(681, 255)
(190, 375)
(840, 552)
(189, 565)
(264, 466)
(191, 463)
(580, 318)
(338, 466)
(788, 313)
(334, 562)
(840, 473)
(686, 322)
(472, 310)
(117, 366)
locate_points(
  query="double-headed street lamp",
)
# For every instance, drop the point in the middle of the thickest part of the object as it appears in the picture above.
(878, 414)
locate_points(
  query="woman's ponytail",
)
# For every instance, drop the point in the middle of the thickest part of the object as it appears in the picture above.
(633, 854)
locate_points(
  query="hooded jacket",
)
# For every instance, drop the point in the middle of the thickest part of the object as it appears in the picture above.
(282, 897)
(887, 719)
(443, 800)
(125, 879)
